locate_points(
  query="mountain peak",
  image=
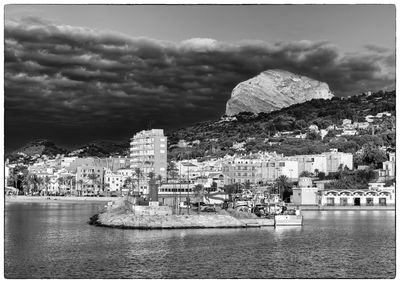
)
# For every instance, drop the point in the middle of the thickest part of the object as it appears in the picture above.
(273, 90)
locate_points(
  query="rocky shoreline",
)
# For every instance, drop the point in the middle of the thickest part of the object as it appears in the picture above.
(222, 219)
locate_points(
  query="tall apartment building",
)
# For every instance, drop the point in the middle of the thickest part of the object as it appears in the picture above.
(148, 152)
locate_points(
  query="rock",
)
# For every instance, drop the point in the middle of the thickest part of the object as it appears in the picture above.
(272, 90)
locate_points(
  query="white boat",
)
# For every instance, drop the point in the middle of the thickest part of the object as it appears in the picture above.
(288, 220)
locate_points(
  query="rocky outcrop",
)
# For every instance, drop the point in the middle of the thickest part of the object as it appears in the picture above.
(272, 90)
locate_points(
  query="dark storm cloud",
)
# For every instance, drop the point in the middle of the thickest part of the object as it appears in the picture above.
(95, 82)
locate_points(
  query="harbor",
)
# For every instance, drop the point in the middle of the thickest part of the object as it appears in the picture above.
(35, 232)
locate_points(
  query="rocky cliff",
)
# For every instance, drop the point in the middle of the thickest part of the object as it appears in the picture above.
(272, 90)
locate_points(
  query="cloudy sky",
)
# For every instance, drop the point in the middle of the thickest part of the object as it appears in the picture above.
(77, 73)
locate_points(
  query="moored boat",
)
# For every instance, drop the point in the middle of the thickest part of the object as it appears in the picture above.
(288, 220)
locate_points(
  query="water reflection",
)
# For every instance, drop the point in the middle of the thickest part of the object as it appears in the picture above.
(287, 230)
(54, 241)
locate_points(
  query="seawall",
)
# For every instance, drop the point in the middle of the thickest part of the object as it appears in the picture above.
(345, 208)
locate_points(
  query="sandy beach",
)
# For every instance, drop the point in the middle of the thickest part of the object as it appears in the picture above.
(57, 199)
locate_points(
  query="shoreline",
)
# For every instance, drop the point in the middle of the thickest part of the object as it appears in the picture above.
(157, 222)
(348, 208)
(56, 199)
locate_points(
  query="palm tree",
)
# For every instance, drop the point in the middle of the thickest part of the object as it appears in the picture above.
(199, 193)
(171, 169)
(139, 174)
(94, 180)
(80, 183)
(61, 182)
(46, 183)
(68, 180)
(129, 183)
(40, 183)
(283, 185)
(151, 175)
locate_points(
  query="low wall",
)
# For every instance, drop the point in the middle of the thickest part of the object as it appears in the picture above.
(347, 207)
(151, 210)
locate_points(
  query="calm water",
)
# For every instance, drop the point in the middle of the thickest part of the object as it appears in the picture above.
(54, 241)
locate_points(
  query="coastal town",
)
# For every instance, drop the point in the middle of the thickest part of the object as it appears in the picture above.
(312, 181)
(199, 141)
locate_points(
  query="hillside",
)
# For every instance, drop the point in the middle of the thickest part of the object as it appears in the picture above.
(35, 149)
(102, 148)
(216, 138)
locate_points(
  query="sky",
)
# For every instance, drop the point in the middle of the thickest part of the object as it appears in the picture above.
(78, 73)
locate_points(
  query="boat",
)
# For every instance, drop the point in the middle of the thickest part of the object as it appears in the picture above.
(288, 217)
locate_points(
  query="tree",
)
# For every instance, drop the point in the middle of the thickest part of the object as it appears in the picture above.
(283, 186)
(94, 180)
(61, 182)
(46, 183)
(68, 180)
(129, 183)
(305, 174)
(139, 174)
(171, 169)
(80, 183)
(214, 186)
(199, 193)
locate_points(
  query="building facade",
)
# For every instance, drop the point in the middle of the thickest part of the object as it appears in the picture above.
(85, 185)
(240, 170)
(148, 151)
(272, 169)
(390, 166)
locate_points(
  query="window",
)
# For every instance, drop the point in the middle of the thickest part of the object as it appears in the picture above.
(162, 145)
(162, 151)
(281, 164)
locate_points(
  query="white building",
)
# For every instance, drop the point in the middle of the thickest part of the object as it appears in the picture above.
(149, 152)
(357, 198)
(242, 170)
(114, 182)
(272, 169)
(390, 166)
(334, 159)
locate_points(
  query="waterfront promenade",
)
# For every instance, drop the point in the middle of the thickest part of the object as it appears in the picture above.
(57, 199)
(345, 208)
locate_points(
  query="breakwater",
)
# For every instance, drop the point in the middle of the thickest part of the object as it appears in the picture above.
(221, 219)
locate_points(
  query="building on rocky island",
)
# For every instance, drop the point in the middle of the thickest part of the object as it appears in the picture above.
(148, 151)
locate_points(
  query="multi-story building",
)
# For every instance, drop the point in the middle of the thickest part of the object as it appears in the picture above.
(326, 162)
(334, 159)
(240, 170)
(310, 163)
(87, 185)
(148, 152)
(272, 169)
(390, 166)
(114, 182)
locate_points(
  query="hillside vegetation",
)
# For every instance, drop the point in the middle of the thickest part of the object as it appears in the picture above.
(257, 131)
